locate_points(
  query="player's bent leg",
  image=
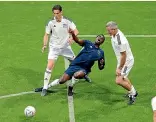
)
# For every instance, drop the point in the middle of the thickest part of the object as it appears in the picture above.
(120, 81)
(64, 78)
(132, 93)
(125, 82)
(132, 90)
(79, 74)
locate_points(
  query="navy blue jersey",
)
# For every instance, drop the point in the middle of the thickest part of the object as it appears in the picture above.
(88, 55)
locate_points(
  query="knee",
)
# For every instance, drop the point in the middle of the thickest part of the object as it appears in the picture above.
(50, 65)
(118, 81)
(78, 75)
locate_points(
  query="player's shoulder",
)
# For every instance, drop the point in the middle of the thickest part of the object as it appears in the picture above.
(120, 33)
(67, 19)
(50, 21)
(87, 41)
(121, 39)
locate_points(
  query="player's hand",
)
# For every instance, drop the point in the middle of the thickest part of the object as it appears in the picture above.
(43, 48)
(70, 31)
(101, 61)
(118, 72)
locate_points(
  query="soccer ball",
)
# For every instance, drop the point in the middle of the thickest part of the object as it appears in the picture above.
(29, 111)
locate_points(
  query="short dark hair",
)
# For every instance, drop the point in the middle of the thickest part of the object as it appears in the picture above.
(57, 7)
(101, 36)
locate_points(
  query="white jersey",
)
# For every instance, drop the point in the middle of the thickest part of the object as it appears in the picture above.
(59, 32)
(120, 44)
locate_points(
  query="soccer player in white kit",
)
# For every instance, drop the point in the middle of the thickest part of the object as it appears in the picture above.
(153, 102)
(125, 59)
(57, 32)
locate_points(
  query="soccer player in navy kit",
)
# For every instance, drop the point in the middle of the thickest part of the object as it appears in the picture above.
(84, 61)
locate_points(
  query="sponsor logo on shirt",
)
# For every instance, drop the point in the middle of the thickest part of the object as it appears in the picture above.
(65, 26)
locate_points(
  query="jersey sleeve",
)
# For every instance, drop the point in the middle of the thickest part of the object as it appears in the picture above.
(72, 25)
(101, 61)
(86, 42)
(48, 27)
(122, 47)
(121, 43)
(102, 54)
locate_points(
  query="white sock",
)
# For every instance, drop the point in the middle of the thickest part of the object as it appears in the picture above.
(132, 91)
(73, 81)
(47, 76)
(54, 83)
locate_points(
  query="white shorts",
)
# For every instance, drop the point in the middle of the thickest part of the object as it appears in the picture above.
(66, 52)
(127, 68)
(153, 103)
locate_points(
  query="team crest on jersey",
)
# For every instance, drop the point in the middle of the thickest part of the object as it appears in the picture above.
(91, 47)
(65, 25)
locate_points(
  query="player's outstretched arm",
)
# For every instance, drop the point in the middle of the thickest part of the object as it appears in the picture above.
(76, 39)
(101, 63)
(76, 32)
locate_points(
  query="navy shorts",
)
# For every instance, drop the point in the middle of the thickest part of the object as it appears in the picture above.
(72, 69)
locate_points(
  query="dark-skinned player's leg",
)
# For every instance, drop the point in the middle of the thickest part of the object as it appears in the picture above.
(62, 80)
(77, 75)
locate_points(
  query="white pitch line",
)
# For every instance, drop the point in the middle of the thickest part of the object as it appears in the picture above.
(71, 109)
(18, 94)
(23, 93)
(132, 36)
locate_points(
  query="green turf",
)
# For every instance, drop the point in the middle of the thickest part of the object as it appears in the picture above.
(22, 64)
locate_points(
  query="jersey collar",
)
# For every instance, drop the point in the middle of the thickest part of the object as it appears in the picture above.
(62, 20)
